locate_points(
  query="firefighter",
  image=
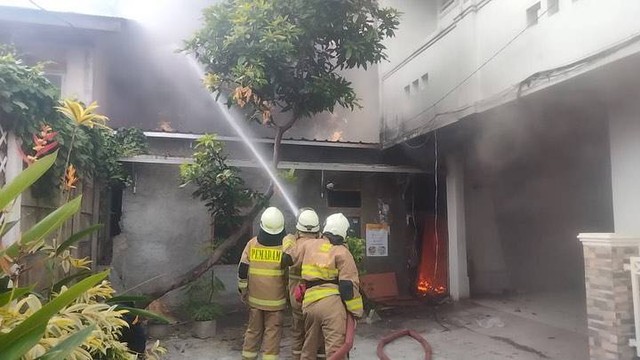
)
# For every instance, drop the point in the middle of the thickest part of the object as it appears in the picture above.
(308, 228)
(331, 288)
(262, 286)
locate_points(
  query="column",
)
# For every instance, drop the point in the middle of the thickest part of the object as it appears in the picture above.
(609, 294)
(458, 276)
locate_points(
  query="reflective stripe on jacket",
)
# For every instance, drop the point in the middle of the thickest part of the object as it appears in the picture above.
(322, 261)
(266, 283)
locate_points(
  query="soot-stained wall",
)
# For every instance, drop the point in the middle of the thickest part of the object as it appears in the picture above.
(535, 177)
(165, 230)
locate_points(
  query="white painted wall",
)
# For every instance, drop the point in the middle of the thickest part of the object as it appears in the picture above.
(458, 275)
(469, 34)
(624, 132)
(78, 77)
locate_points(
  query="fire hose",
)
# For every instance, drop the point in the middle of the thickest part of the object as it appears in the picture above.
(401, 333)
(351, 330)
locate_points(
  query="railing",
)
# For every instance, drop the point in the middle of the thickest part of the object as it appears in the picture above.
(634, 267)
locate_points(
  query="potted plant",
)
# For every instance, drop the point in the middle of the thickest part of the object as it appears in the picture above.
(201, 305)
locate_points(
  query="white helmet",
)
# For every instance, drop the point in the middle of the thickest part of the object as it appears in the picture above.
(272, 221)
(337, 224)
(308, 221)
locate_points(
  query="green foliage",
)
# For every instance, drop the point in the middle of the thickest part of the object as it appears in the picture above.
(356, 247)
(70, 319)
(201, 304)
(124, 142)
(28, 101)
(27, 334)
(130, 141)
(286, 54)
(206, 312)
(288, 175)
(217, 184)
(26, 97)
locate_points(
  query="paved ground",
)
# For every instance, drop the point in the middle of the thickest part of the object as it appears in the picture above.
(566, 310)
(464, 331)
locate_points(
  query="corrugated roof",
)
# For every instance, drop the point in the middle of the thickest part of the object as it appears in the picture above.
(288, 140)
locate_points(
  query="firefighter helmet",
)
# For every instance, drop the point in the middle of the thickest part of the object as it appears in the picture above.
(308, 221)
(272, 221)
(337, 224)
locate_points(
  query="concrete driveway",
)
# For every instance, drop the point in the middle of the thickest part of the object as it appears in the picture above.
(457, 332)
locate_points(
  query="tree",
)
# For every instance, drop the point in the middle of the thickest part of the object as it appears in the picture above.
(280, 60)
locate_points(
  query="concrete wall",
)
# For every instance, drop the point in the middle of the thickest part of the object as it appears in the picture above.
(164, 230)
(536, 175)
(468, 35)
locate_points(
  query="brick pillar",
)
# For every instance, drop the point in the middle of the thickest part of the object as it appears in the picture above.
(609, 295)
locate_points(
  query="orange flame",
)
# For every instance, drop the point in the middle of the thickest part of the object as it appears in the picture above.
(336, 136)
(432, 272)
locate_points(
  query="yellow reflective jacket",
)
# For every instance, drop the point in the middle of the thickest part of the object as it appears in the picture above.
(324, 266)
(295, 270)
(266, 283)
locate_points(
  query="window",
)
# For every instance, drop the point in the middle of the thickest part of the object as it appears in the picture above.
(407, 90)
(532, 14)
(553, 6)
(344, 199)
(424, 80)
(415, 86)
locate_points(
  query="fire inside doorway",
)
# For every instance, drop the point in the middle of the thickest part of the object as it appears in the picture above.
(430, 260)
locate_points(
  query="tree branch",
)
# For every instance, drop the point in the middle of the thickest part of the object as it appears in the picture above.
(277, 142)
(208, 263)
(232, 240)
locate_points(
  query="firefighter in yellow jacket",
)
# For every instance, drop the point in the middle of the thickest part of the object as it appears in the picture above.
(262, 285)
(308, 229)
(332, 287)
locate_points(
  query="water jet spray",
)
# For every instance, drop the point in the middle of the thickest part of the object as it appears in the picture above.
(231, 120)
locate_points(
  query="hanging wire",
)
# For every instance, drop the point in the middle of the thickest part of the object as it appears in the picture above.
(424, 142)
(430, 124)
(52, 14)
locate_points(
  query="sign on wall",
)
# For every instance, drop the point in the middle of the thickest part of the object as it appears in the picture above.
(377, 239)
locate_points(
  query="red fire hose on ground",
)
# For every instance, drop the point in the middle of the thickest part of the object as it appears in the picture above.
(401, 333)
(351, 330)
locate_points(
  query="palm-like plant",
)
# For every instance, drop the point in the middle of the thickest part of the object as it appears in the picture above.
(73, 322)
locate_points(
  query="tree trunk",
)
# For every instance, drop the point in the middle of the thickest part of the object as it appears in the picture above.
(204, 266)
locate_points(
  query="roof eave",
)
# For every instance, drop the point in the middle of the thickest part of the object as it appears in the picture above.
(62, 19)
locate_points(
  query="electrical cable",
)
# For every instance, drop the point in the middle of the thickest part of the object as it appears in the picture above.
(426, 140)
(52, 13)
(435, 150)
(459, 84)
